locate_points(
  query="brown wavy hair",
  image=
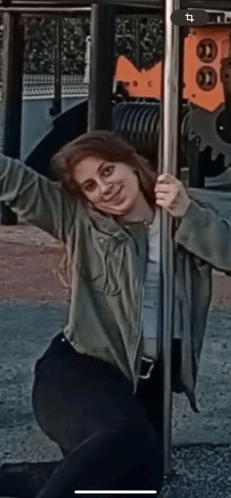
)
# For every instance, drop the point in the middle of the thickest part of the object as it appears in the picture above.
(109, 147)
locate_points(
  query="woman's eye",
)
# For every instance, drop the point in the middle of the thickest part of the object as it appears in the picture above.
(89, 187)
(108, 170)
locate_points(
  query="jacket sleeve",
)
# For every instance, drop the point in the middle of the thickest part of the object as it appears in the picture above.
(36, 198)
(207, 236)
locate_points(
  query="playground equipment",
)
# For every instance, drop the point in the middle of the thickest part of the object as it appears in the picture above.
(205, 90)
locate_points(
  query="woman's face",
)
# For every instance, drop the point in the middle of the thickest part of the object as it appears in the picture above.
(111, 186)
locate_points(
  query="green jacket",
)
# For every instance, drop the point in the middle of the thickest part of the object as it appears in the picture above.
(108, 268)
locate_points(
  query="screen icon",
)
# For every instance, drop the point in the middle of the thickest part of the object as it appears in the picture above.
(190, 17)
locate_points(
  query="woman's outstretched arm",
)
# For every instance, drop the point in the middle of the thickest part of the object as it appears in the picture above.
(201, 231)
(36, 198)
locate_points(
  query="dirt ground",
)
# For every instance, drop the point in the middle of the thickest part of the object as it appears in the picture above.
(30, 265)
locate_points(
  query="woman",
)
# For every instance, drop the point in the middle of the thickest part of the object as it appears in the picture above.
(98, 388)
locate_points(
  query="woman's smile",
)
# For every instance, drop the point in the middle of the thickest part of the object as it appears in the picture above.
(116, 198)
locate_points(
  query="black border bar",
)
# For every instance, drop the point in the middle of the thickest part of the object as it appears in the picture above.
(66, 4)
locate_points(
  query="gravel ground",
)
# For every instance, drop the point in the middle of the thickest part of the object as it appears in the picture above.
(199, 471)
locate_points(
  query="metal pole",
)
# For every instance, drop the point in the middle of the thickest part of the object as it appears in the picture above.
(13, 46)
(57, 103)
(137, 41)
(58, 73)
(101, 67)
(168, 164)
(13, 53)
(87, 60)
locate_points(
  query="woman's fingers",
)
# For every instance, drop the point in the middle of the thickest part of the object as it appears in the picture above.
(166, 178)
(171, 195)
(162, 187)
(169, 201)
(168, 204)
(170, 191)
(165, 196)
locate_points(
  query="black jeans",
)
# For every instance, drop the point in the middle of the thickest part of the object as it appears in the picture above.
(110, 438)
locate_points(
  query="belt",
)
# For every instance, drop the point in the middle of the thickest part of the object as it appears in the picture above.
(147, 365)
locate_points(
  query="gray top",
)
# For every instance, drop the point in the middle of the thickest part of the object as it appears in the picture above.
(151, 290)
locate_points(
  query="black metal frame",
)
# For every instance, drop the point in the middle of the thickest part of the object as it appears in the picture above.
(51, 5)
(13, 44)
(101, 67)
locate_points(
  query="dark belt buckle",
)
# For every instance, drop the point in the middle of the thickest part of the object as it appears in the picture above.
(147, 366)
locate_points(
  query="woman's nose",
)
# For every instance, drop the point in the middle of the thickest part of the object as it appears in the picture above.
(105, 188)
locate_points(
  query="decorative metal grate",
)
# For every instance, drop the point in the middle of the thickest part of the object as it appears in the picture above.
(42, 85)
(139, 38)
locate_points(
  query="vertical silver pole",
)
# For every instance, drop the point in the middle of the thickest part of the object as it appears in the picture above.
(168, 164)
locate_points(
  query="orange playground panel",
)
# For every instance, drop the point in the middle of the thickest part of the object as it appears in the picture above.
(203, 50)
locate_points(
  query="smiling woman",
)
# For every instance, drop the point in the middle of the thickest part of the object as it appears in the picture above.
(112, 161)
(98, 389)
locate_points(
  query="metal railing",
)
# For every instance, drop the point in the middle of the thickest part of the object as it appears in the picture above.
(42, 85)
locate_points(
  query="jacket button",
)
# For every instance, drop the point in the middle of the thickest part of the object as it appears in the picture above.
(101, 241)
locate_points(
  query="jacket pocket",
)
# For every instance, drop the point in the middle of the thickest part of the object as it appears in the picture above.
(101, 264)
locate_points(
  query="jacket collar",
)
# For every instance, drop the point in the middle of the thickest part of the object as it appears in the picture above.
(106, 224)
